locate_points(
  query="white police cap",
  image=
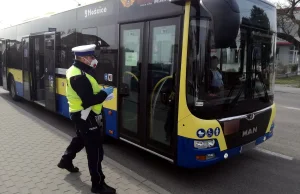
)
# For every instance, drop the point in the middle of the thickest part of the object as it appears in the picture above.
(84, 50)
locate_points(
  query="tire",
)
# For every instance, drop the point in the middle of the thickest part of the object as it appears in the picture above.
(12, 89)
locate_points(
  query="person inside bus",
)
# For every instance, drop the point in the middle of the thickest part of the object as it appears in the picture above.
(216, 78)
(85, 99)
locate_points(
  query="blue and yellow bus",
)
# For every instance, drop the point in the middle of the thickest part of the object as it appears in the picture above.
(193, 79)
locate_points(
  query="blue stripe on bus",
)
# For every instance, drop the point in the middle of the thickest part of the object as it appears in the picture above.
(186, 156)
(62, 105)
(111, 120)
(19, 89)
(111, 123)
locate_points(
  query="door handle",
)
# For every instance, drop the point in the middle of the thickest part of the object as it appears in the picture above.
(124, 90)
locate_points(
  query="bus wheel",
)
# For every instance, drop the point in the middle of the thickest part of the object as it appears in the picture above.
(12, 89)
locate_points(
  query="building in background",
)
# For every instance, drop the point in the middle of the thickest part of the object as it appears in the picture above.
(286, 52)
(287, 57)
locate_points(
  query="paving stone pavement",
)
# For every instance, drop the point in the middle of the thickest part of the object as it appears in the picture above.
(30, 150)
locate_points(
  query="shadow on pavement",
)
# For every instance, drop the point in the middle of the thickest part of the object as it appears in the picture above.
(77, 183)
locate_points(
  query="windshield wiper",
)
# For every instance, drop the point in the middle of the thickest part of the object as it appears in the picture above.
(236, 98)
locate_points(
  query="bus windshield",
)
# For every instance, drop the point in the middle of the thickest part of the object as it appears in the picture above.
(225, 82)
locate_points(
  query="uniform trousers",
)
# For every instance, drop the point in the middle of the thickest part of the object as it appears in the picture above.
(89, 135)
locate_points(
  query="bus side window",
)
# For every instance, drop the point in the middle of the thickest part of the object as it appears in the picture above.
(68, 41)
(107, 55)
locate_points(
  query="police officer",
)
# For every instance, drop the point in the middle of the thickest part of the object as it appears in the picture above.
(85, 97)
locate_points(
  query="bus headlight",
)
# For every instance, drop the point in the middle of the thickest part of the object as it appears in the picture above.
(203, 144)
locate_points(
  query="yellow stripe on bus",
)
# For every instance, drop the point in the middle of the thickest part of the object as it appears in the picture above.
(273, 115)
(183, 109)
(112, 104)
(17, 74)
(188, 124)
(61, 84)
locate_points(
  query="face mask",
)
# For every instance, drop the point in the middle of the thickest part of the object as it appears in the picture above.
(93, 63)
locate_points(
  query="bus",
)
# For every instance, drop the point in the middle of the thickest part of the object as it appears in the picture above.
(193, 79)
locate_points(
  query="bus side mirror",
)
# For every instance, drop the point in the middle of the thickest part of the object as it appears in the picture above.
(225, 20)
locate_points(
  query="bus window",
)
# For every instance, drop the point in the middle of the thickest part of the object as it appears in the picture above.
(90, 31)
(39, 68)
(1, 62)
(220, 77)
(12, 55)
(68, 41)
(3, 55)
(88, 36)
(106, 56)
(131, 54)
(26, 68)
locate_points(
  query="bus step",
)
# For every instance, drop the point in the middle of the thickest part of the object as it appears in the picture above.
(41, 102)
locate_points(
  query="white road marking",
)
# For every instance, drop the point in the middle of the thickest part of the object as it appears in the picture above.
(274, 154)
(289, 107)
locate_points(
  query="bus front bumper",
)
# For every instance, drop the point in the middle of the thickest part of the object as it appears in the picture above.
(190, 157)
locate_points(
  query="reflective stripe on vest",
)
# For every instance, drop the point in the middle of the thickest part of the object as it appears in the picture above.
(74, 101)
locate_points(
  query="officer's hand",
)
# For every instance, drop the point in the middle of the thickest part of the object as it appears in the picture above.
(108, 90)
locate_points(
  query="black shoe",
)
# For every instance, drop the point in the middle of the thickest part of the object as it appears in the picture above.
(68, 166)
(103, 189)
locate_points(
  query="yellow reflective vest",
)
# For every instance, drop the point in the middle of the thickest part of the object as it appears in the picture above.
(74, 101)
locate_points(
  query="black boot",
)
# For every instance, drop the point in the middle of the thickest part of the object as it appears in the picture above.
(68, 166)
(102, 189)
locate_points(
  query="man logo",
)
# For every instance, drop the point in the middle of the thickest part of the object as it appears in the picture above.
(250, 117)
(249, 131)
(127, 3)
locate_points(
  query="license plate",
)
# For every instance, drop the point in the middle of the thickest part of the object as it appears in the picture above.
(248, 146)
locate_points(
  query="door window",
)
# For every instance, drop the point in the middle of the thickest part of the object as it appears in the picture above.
(163, 45)
(51, 42)
(130, 76)
(26, 69)
(160, 80)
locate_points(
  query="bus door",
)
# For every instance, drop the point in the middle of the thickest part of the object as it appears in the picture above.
(1, 62)
(149, 58)
(50, 45)
(38, 75)
(26, 68)
(4, 63)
